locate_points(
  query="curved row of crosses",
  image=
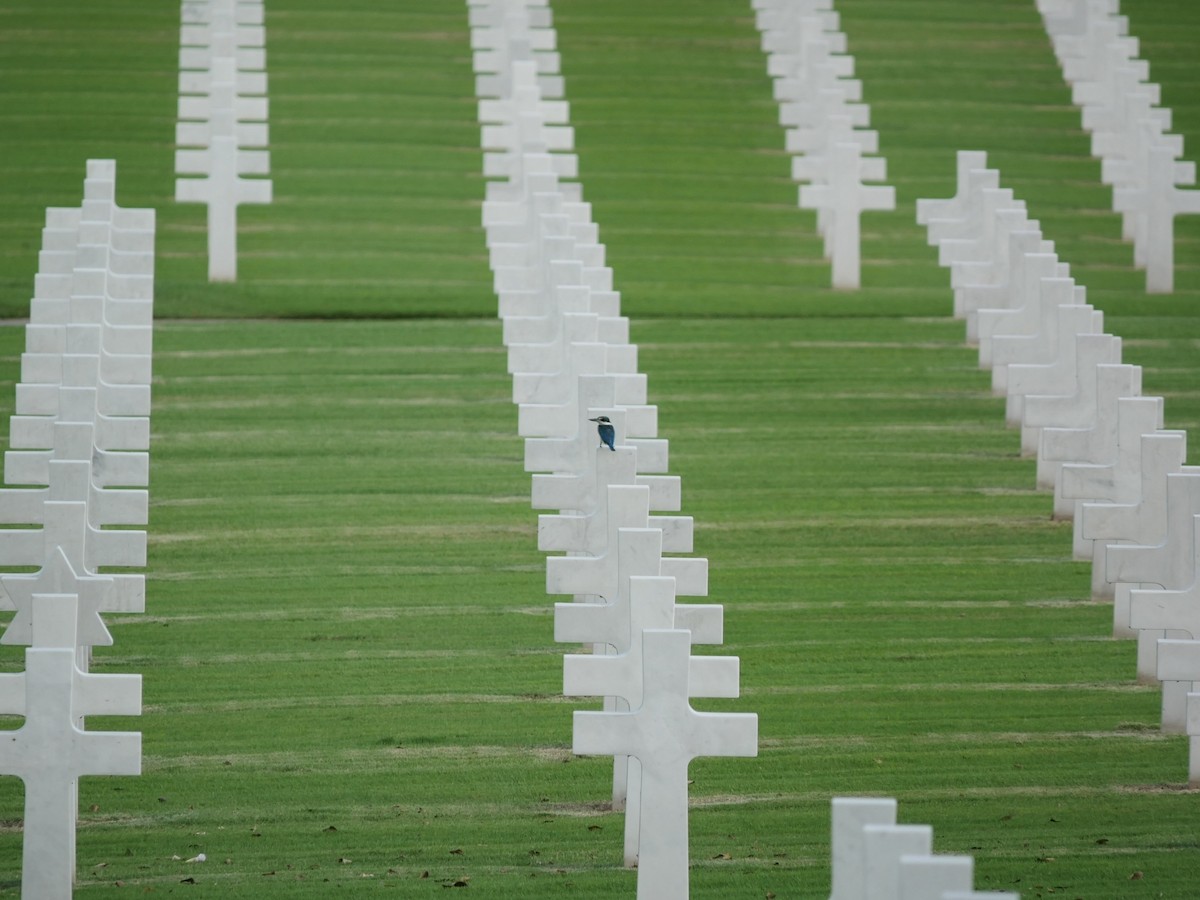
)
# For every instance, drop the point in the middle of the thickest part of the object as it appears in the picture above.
(1099, 442)
(1131, 136)
(82, 431)
(572, 366)
(222, 128)
(820, 105)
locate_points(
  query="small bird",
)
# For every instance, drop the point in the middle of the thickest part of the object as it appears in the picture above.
(608, 434)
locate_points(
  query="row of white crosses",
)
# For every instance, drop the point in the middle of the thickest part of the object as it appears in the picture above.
(572, 363)
(820, 105)
(874, 858)
(222, 128)
(1131, 136)
(80, 431)
(1100, 445)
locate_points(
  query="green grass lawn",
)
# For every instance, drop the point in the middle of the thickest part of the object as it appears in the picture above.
(350, 682)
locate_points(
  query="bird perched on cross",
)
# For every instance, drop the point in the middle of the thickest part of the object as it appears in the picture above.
(608, 434)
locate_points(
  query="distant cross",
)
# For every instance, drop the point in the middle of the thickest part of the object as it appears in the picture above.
(49, 752)
(843, 199)
(223, 190)
(1159, 202)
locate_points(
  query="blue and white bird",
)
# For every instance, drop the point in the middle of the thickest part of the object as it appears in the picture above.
(608, 434)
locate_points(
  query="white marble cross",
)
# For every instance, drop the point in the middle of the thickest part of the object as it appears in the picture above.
(1096, 442)
(845, 198)
(57, 576)
(549, 376)
(222, 190)
(665, 734)
(108, 444)
(1142, 520)
(534, 291)
(221, 30)
(1118, 480)
(1009, 302)
(229, 122)
(1074, 406)
(537, 212)
(972, 238)
(116, 390)
(1109, 470)
(883, 848)
(491, 14)
(929, 877)
(630, 551)
(1130, 175)
(626, 504)
(848, 817)
(243, 12)
(1179, 672)
(962, 217)
(525, 107)
(49, 752)
(582, 492)
(876, 859)
(573, 455)
(496, 49)
(64, 422)
(534, 183)
(650, 604)
(86, 548)
(1175, 613)
(955, 208)
(987, 272)
(1056, 376)
(1168, 564)
(1159, 202)
(1031, 336)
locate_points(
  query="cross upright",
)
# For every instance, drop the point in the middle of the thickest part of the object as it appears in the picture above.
(583, 491)
(1056, 376)
(222, 191)
(608, 624)
(1168, 564)
(49, 752)
(1142, 521)
(1114, 474)
(1096, 440)
(954, 208)
(849, 816)
(1173, 617)
(651, 601)
(665, 734)
(1170, 610)
(574, 455)
(651, 605)
(631, 551)
(1159, 202)
(1073, 406)
(65, 530)
(845, 197)
(57, 577)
